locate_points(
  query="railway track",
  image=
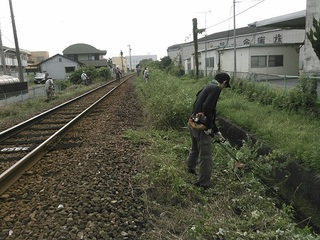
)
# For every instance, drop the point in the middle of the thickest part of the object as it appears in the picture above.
(21, 146)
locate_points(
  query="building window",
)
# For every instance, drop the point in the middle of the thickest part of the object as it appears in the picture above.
(258, 61)
(69, 69)
(267, 61)
(262, 40)
(210, 62)
(60, 59)
(275, 61)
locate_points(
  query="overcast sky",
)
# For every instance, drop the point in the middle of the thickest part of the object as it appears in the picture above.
(148, 26)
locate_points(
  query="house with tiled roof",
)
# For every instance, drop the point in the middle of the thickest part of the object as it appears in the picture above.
(74, 57)
(86, 54)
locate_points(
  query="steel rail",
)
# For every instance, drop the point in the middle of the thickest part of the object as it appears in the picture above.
(17, 128)
(13, 173)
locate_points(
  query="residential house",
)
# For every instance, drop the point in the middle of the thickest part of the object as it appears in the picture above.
(74, 56)
(10, 64)
(34, 59)
(86, 54)
(59, 66)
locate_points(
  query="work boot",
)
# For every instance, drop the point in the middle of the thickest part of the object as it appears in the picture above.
(197, 184)
(192, 171)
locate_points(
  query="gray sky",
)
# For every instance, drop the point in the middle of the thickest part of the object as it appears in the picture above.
(148, 26)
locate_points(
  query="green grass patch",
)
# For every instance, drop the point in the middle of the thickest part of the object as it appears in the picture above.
(238, 206)
(168, 102)
(294, 134)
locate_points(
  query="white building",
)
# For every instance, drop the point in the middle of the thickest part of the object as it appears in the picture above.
(135, 60)
(59, 66)
(271, 46)
(10, 64)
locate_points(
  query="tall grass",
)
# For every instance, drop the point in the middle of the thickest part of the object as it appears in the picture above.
(168, 102)
(237, 207)
(294, 134)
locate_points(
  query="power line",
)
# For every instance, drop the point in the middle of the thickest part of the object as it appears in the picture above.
(235, 15)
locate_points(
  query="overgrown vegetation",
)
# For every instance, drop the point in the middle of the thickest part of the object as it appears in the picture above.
(238, 207)
(92, 72)
(302, 99)
(285, 120)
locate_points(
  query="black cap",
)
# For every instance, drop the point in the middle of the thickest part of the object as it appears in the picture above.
(221, 77)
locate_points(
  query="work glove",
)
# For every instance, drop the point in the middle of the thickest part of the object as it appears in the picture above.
(218, 137)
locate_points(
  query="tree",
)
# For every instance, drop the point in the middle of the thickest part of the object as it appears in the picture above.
(165, 62)
(314, 37)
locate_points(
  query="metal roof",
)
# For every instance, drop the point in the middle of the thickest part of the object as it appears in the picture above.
(296, 20)
(6, 79)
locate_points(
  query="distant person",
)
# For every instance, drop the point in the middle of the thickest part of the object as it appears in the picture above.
(114, 70)
(118, 74)
(84, 78)
(146, 75)
(138, 69)
(49, 87)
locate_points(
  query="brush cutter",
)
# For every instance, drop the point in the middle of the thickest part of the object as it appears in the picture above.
(238, 163)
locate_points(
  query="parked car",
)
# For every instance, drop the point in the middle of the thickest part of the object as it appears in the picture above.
(40, 78)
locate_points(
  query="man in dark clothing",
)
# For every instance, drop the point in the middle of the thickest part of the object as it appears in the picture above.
(201, 150)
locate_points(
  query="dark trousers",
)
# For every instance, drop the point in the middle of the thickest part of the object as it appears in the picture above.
(201, 153)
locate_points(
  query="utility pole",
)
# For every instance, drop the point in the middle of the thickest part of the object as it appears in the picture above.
(16, 43)
(121, 54)
(234, 41)
(3, 60)
(130, 56)
(195, 40)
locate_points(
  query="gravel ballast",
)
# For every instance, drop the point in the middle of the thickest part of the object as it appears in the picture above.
(85, 191)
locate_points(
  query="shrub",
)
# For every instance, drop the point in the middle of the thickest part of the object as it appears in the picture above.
(302, 98)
